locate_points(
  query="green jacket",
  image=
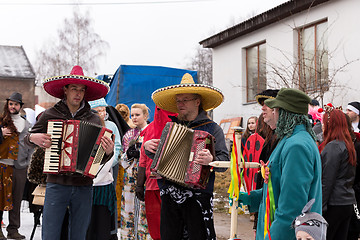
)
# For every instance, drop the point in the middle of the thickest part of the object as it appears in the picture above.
(295, 168)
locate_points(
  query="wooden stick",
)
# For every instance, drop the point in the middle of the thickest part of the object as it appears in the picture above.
(233, 223)
(226, 164)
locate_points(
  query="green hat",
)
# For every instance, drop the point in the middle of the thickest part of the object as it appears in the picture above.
(291, 100)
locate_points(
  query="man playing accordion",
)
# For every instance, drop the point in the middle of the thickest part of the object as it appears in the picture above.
(187, 212)
(71, 190)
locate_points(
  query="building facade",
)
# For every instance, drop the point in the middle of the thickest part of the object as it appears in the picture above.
(311, 45)
(16, 75)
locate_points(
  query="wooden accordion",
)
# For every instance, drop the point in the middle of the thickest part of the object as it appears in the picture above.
(177, 150)
(75, 147)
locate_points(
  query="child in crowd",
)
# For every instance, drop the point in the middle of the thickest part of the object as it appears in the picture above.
(250, 129)
(310, 225)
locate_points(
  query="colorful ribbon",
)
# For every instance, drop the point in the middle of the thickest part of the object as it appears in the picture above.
(270, 207)
(235, 174)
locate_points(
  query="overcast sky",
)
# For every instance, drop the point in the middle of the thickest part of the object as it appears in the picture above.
(141, 32)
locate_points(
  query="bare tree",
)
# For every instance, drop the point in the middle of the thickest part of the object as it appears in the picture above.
(312, 69)
(76, 44)
(302, 74)
(202, 63)
(202, 59)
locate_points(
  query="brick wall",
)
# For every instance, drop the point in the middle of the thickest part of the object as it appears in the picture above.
(24, 86)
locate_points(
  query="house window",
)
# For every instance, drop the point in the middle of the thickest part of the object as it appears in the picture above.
(313, 57)
(255, 71)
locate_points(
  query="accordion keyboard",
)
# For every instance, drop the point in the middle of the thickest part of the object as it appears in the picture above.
(52, 154)
(98, 157)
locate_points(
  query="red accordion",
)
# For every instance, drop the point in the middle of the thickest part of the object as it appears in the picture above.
(177, 150)
(75, 147)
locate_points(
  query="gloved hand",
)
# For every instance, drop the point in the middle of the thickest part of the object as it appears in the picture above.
(132, 152)
(139, 190)
(140, 193)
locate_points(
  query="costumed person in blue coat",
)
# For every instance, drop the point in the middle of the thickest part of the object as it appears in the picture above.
(293, 172)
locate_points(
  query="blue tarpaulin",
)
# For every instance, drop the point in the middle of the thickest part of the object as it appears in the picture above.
(135, 84)
(104, 78)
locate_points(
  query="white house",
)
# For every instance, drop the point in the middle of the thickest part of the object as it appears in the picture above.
(312, 45)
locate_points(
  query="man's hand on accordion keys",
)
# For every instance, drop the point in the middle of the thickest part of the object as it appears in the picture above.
(107, 144)
(41, 139)
(204, 157)
(152, 145)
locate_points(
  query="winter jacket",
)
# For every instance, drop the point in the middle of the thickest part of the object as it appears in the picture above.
(356, 186)
(295, 168)
(338, 175)
(62, 112)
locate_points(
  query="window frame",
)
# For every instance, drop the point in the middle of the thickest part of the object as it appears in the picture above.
(257, 90)
(303, 84)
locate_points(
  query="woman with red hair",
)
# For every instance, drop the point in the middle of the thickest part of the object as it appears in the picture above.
(338, 173)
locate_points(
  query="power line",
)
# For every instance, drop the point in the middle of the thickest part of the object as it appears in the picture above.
(104, 3)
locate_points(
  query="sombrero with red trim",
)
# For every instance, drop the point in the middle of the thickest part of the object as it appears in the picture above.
(95, 88)
(165, 98)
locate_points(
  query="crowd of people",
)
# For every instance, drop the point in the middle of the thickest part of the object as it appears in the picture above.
(123, 194)
(310, 158)
(309, 188)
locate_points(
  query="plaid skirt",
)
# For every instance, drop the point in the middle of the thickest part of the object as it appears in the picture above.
(6, 199)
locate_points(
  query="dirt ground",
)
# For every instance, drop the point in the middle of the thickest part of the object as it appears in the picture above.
(222, 218)
(222, 226)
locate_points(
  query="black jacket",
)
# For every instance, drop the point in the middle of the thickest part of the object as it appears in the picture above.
(61, 111)
(357, 175)
(338, 175)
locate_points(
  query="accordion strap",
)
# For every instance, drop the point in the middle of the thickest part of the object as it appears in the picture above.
(202, 124)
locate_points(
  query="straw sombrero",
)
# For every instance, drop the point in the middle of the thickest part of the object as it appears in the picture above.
(211, 97)
(95, 88)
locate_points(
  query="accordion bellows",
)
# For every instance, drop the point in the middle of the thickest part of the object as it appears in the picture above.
(177, 150)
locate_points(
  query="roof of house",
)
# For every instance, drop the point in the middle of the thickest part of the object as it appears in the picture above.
(262, 20)
(14, 63)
